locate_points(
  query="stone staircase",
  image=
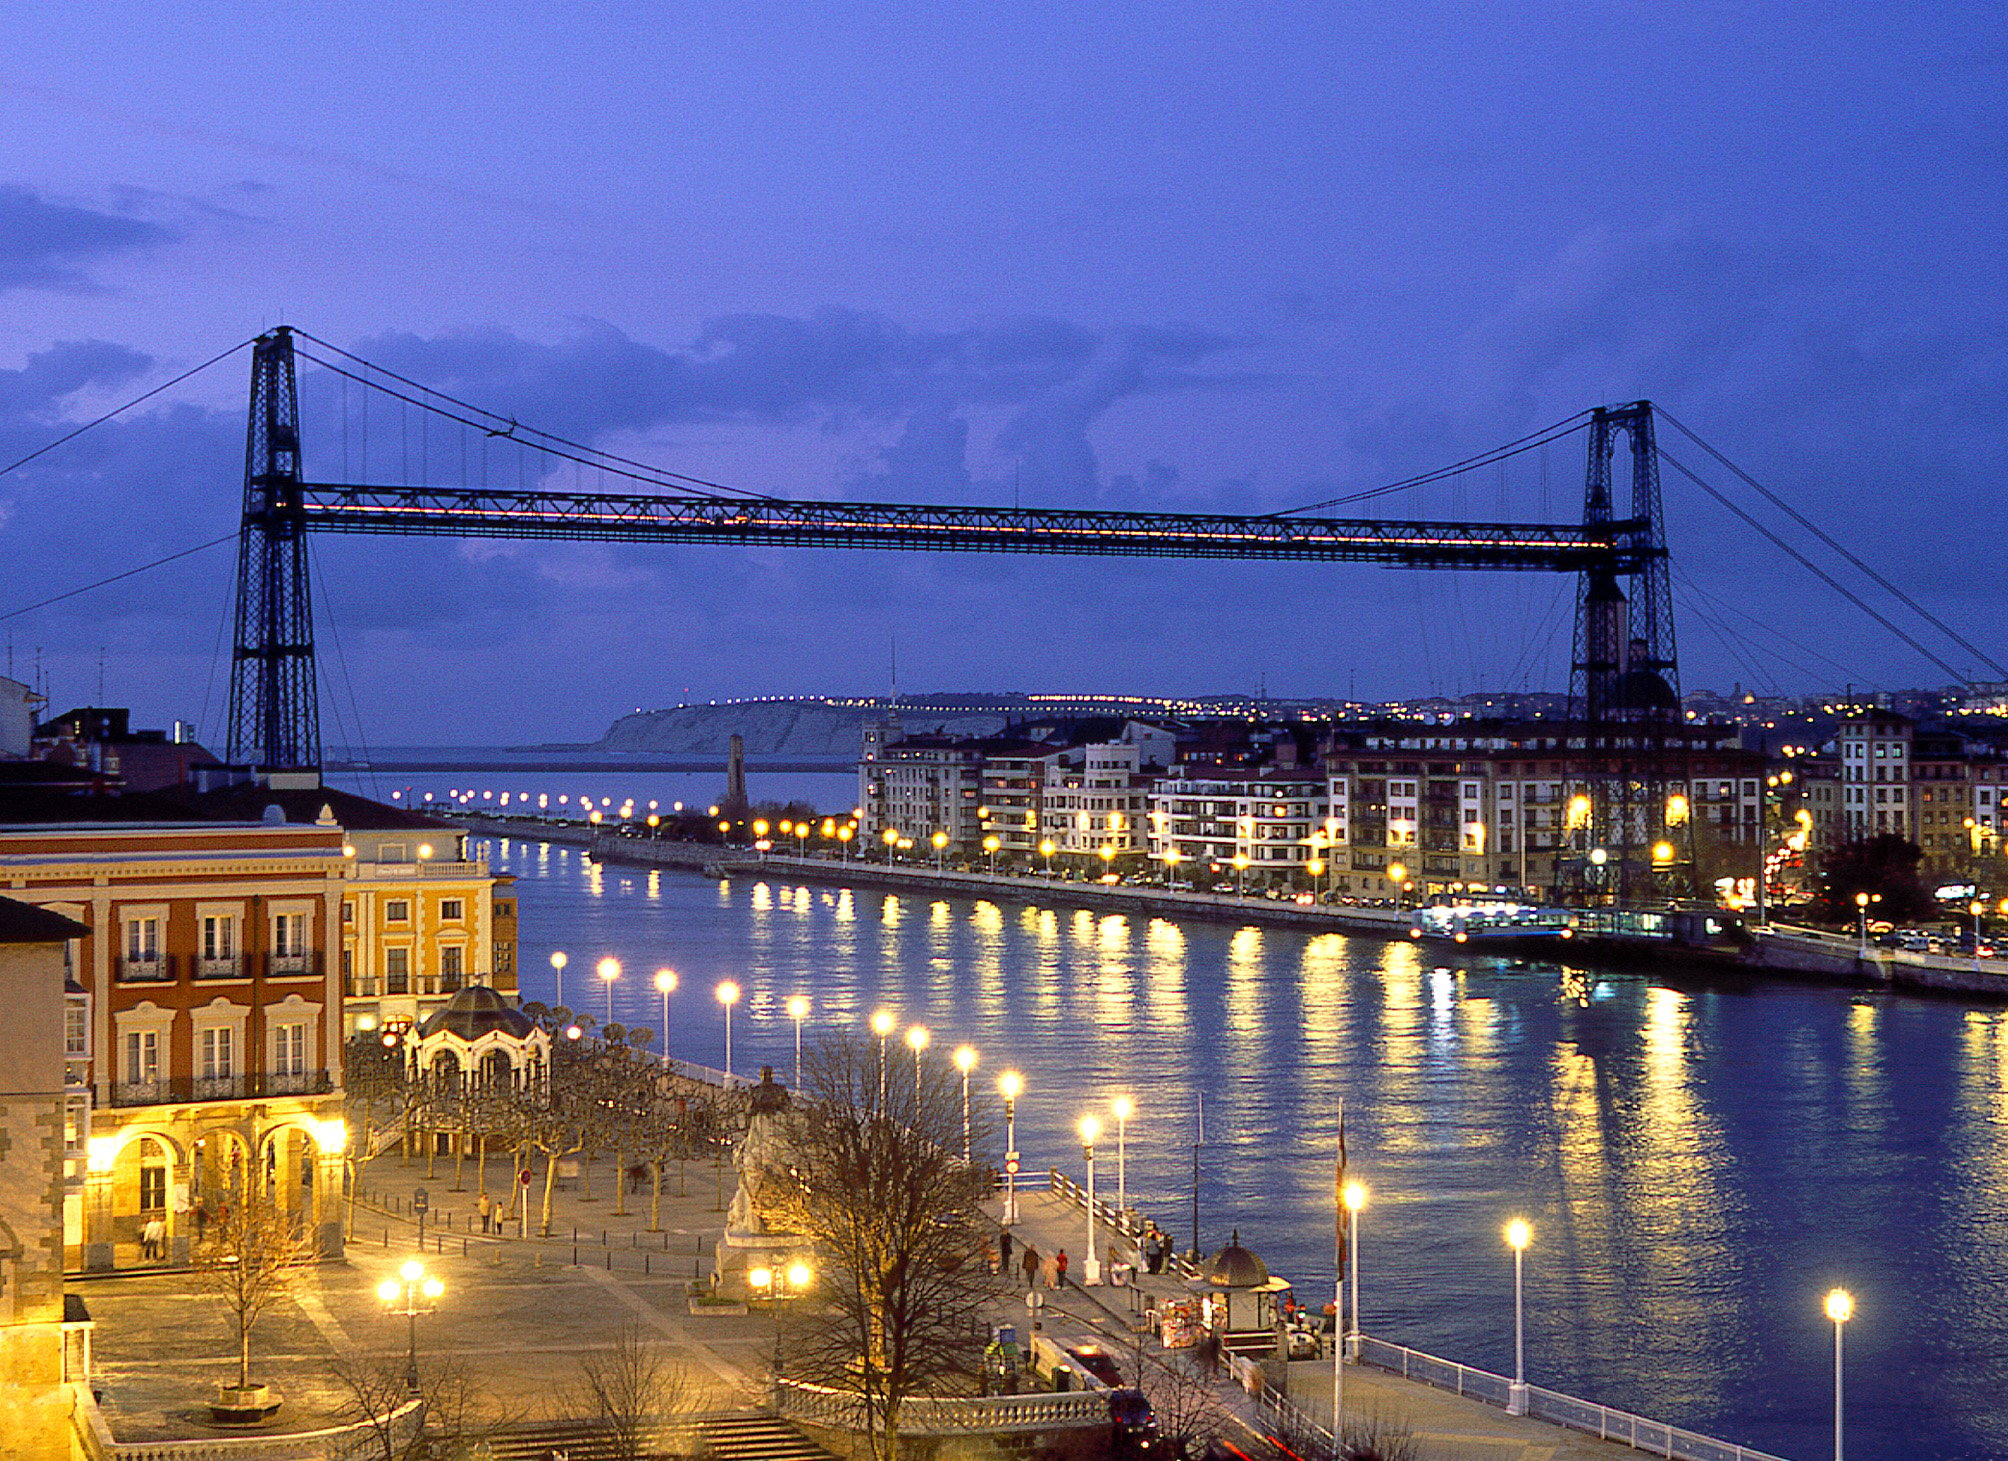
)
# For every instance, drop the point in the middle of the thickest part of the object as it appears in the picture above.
(752, 1436)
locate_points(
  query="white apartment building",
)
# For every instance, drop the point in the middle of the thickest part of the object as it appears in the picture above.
(1203, 820)
(1876, 791)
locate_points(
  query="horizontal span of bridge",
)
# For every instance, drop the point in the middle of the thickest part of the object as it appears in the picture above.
(606, 517)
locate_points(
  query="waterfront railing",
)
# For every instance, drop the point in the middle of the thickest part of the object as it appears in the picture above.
(1654, 1437)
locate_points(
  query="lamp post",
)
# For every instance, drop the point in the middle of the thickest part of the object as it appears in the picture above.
(1240, 874)
(1840, 1309)
(1009, 1085)
(665, 985)
(1518, 1235)
(411, 1293)
(965, 1061)
(798, 1011)
(1091, 1268)
(1355, 1195)
(917, 1038)
(558, 962)
(940, 841)
(1397, 873)
(609, 970)
(990, 845)
(1123, 1108)
(883, 1023)
(728, 996)
(1046, 850)
(1862, 921)
(1976, 908)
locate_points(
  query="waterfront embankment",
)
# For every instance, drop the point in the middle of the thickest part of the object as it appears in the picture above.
(1776, 951)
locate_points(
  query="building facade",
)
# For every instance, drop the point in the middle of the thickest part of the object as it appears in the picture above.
(210, 1039)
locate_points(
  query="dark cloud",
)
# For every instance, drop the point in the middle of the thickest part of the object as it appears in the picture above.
(44, 245)
(837, 370)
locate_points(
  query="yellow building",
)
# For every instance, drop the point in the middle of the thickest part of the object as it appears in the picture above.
(420, 921)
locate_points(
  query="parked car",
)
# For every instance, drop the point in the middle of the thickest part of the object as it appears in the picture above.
(1095, 1360)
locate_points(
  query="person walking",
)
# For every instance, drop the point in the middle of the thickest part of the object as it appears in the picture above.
(487, 1210)
(1004, 1251)
(1060, 1269)
(153, 1240)
(1030, 1263)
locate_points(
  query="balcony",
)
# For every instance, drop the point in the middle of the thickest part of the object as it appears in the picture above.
(231, 967)
(181, 1089)
(156, 970)
(292, 966)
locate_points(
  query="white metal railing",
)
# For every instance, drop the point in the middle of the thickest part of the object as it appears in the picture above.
(335, 1443)
(939, 1415)
(1652, 1436)
(1117, 1221)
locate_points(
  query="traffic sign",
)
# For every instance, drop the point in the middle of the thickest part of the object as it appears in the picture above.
(523, 1177)
(1011, 1165)
(419, 1201)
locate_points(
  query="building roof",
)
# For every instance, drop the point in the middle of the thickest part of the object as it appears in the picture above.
(476, 1011)
(24, 923)
(1234, 1267)
(247, 803)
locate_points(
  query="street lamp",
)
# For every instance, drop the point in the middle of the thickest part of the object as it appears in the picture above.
(1862, 901)
(1046, 850)
(1009, 1085)
(917, 1038)
(1124, 1108)
(1976, 908)
(883, 1024)
(1355, 1197)
(558, 962)
(990, 845)
(411, 1293)
(1518, 1235)
(665, 985)
(798, 1011)
(728, 996)
(1240, 874)
(1091, 1268)
(609, 970)
(940, 841)
(1840, 1309)
(965, 1061)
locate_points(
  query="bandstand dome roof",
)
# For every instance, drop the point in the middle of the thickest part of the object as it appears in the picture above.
(1234, 1267)
(476, 1011)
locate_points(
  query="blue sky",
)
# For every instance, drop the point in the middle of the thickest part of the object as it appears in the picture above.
(1214, 258)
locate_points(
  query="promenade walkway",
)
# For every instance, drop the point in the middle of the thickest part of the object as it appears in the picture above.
(1445, 1426)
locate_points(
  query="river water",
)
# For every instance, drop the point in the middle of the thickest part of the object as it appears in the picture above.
(1701, 1159)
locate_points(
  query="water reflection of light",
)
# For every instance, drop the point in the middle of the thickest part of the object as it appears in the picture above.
(654, 885)
(763, 898)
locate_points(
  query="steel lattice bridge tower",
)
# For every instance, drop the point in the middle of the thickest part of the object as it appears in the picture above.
(1628, 746)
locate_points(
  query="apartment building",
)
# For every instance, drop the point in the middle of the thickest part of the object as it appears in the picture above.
(916, 786)
(205, 1031)
(1248, 822)
(1874, 754)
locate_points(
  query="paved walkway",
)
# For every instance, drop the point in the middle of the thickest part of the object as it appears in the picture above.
(516, 1315)
(1446, 1426)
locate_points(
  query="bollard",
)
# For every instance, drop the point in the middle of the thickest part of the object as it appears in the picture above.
(463, 1247)
(386, 1237)
(610, 1260)
(665, 1240)
(644, 1265)
(575, 1255)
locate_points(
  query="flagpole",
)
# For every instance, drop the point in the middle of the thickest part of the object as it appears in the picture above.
(1339, 1293)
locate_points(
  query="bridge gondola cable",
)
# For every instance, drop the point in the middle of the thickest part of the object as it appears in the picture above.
(1811, 567)
(1810, 526)
(1542, 438)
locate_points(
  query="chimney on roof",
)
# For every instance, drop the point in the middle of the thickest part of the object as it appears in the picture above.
(274, 814)
(327, 816)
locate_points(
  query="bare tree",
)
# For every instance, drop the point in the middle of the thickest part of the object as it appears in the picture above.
(373, 1395)
(872, 1172)
(630, 1392)
(250, 1256)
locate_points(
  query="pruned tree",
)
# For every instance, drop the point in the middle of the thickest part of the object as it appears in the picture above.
(1885, 867)
(373, 1395)
(250, 1256)
(1186, 1403)
(381, 1100)
(871, 1171)
(631, 1392)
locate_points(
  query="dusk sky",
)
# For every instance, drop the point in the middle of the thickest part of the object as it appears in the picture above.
(1216, 258)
